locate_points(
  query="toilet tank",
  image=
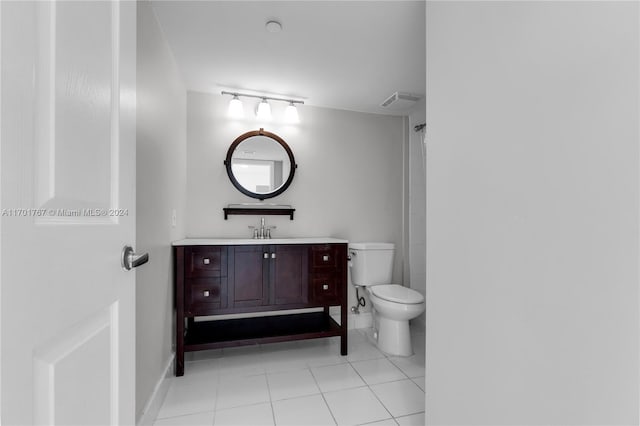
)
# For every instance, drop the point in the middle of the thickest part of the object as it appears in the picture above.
(371, 263)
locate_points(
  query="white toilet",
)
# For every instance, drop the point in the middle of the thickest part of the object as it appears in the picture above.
(371, 266)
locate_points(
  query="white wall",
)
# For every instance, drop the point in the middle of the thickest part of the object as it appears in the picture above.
(416, 204)
(348, 183)
(161, 181)
(532, 213)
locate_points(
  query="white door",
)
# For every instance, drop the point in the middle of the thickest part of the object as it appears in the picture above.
(68, 207)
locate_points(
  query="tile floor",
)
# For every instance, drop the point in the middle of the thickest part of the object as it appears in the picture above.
(298, 383)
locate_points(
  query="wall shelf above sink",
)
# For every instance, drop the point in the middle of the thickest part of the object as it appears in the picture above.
(258, 209)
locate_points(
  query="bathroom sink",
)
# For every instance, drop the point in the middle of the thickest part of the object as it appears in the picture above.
(252, 241)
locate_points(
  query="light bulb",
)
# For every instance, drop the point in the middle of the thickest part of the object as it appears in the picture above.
(235, 108)
(291, 113)
(264, 110)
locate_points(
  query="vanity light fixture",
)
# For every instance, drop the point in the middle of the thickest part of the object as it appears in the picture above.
(263, 112)
(236, 109)
(263, 109)
(291, 113)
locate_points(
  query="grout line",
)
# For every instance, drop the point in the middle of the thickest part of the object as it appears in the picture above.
(323, 398)
(374, 394)
(258, 363)
(184, 415)
(328, 408)
(191, 413)
(381, 403)
(377, 421)
(273, 412)
(218, 380)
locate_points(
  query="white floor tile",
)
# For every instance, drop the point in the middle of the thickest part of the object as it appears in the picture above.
(378, 371)
(237, 391)
(241, 350)
(308, 410)
(412, 420)
(189, 395)
(419, 381)
(365, 352)
(199, 419)
(202, 355)
(319, 356)
(282, 360)
(204, 366)
(282, 346)
(335, 377)
(241, 364)
(355, 406)
(360, 348)
(251, 415)
(256, 384)
(412, 366)
(400, 398)
(291, 384)
(387, 422)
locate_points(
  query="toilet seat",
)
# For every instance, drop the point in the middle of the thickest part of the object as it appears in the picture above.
(397, 294)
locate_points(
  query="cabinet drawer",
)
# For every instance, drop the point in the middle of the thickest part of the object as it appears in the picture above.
(325, 288)
(324, 257)
(203, 262)
(203, 295)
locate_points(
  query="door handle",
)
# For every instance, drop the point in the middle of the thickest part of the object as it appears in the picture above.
(132, 260)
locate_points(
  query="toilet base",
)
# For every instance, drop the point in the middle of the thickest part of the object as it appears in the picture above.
(394, 337)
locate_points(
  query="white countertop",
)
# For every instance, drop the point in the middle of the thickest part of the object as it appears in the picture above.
(252, 241)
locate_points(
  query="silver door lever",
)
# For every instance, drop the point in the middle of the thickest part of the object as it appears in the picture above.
(131, 260)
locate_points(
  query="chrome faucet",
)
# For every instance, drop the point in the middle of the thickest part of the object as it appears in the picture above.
(264, 232)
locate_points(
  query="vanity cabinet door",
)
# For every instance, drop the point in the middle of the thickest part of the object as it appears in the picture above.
(205, 270)
(204, 261)
(327, 273)
(325, 257)
(326, 288)
(203, 296)
(289, 275)
(248, 276)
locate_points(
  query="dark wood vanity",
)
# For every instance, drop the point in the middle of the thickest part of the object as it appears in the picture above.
(215, 277)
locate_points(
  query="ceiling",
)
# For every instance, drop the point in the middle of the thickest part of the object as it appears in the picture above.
(348, 55)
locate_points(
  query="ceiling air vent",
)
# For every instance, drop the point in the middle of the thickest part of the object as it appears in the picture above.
(399, 101)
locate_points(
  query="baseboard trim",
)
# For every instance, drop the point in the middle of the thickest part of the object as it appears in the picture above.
(361, 320)
(152, 408)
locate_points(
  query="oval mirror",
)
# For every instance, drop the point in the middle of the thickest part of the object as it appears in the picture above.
(260, 164)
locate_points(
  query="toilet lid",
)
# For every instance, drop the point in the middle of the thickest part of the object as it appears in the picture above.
(397, 293)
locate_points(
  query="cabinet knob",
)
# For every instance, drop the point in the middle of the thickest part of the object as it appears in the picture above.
(206, 293)
(273, 255)
(265, 255)
(325, 258)
(325, 286)
(206, 261)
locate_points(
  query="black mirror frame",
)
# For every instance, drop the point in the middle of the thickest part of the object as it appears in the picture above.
(234, 181)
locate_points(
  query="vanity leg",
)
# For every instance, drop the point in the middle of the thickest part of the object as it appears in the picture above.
(343, 305)
(180, 361)
(345, 328)
(180, 347)
(179, 297)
